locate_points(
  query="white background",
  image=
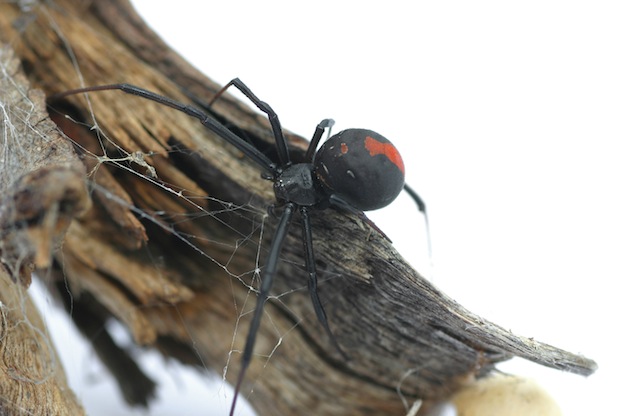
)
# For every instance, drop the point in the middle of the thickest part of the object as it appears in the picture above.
(509, 118)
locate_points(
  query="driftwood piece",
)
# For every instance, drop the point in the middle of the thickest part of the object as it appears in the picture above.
(183, 286)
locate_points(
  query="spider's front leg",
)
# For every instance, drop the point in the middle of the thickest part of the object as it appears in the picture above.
(280, 142)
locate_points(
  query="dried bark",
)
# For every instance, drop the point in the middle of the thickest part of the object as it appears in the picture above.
(397, 328)
(42, 189)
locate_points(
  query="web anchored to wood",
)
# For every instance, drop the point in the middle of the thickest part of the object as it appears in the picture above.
(161, 225)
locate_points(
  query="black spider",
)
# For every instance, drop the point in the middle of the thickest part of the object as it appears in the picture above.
(355, 170)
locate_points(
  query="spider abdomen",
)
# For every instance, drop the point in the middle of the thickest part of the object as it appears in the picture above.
(362, 167)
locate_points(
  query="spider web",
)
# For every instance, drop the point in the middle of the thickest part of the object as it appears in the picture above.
(246, 220)
(115, 158)
(139, 165)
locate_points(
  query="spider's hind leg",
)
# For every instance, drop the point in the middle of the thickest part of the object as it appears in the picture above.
(343, 205)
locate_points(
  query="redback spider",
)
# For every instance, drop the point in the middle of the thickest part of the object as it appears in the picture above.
(355, 170)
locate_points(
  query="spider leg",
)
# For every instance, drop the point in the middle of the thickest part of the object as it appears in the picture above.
(343, 205)
(280, 142)
(316, 138)
(267, 281)
(312, 278)
(417, 199)
(422, 208)
(249, 150)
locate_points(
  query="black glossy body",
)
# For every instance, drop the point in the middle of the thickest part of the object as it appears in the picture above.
(361, 167)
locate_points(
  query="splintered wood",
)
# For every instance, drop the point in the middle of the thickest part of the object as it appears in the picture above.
(163, 224)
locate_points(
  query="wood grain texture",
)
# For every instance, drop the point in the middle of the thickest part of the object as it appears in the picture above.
(125, 259)
(42, 189)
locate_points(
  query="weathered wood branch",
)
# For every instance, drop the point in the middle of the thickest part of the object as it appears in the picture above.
(129, 255)
(42, 190)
